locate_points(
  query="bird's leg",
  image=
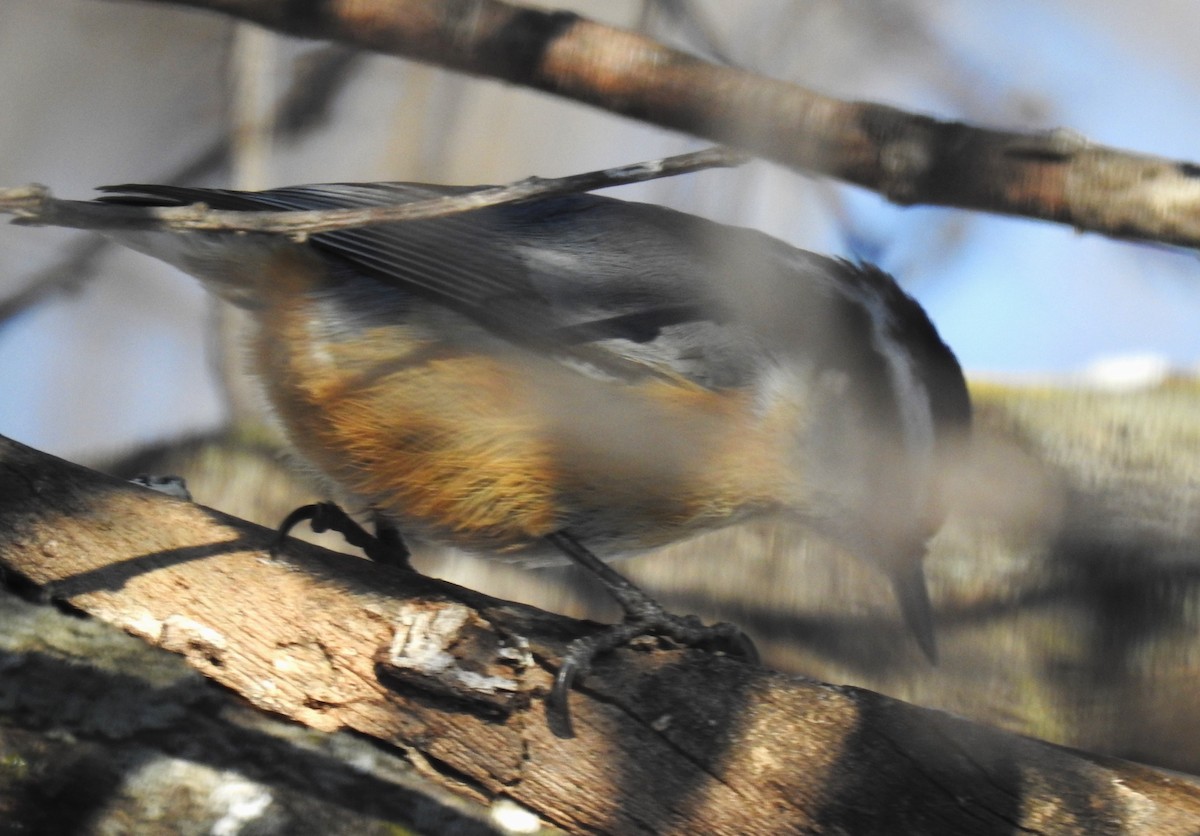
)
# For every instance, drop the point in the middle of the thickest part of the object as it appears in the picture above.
(643, 616)
(389, 548)
(385, 546)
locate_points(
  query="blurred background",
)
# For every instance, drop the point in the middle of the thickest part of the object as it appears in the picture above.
(1067, 580)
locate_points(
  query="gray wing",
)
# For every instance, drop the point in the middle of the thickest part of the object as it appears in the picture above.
(641, 284)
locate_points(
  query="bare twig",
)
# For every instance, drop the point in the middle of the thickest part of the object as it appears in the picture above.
(34, 205)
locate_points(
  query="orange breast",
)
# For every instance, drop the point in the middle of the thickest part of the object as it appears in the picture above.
(495, 450)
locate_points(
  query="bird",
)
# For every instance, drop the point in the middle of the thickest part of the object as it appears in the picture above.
(587, 377)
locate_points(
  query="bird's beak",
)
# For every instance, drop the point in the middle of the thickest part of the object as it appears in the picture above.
(913, 595)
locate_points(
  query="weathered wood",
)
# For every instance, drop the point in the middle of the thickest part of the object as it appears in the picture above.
(668, 740)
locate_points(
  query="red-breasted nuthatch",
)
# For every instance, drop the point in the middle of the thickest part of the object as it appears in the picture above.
(581, 371)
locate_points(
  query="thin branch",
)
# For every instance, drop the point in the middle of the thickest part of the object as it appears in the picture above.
(34, 205)
(908, 158)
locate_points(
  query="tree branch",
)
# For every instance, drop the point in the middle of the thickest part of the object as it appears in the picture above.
(908, 158)
(668, 741)
(34, 205)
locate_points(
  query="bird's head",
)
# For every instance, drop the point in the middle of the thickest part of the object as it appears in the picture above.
(886, 421)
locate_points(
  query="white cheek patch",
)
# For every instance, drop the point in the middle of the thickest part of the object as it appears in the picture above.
(774, 384)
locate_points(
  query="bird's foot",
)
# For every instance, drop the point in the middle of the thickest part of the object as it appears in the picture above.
(648, 619)
(386, 546)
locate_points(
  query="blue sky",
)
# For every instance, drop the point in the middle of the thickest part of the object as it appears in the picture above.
(1023, 297)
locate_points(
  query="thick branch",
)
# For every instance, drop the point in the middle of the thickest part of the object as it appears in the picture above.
(907, 157)
(668, 741)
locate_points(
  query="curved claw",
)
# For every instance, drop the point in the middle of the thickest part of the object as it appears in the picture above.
(558, 711)
(297, 516)
(643, 616)
(687, 630)
(743, 647)
(386, 547)
(723, 637)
